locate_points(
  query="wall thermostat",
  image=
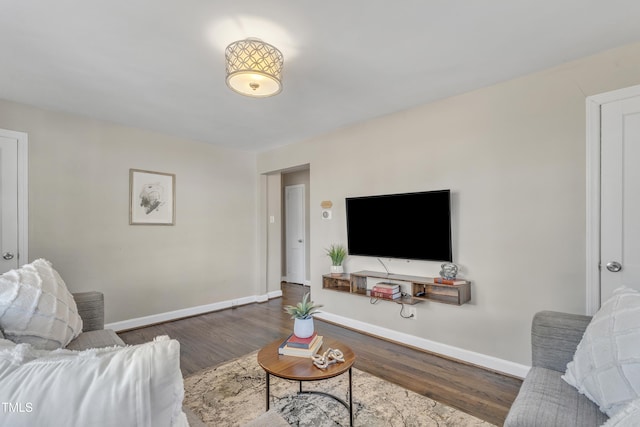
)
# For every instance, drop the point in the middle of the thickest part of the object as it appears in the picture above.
(326, 214)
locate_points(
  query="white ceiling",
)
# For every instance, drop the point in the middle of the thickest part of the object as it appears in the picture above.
(159, 64)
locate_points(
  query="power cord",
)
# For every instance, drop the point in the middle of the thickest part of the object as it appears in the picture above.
(374, 300)
(402, 312)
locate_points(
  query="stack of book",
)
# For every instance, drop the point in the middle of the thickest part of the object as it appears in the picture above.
(301, 347)
(386, 290)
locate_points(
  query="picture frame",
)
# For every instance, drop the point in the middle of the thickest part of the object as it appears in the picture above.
(152, 198)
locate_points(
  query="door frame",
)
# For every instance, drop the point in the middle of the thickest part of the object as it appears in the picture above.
(594, 145)
(304, 225)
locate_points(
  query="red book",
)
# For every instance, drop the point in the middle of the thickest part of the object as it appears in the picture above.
(442, 281)
(298, 342)
(385, 290)
(385, 295)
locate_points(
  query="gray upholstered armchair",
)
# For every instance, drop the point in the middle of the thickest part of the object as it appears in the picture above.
(91, 309)
(545, 399)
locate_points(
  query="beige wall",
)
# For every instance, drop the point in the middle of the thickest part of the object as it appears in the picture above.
(514, 157)
(79, 207)
(513, 154)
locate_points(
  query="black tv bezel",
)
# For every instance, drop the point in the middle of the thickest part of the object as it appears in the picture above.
(394, 256)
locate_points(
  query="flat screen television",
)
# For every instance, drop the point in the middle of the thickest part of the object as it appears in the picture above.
(408, 226)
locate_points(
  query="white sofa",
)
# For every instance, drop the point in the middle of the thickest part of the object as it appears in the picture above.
(96, 380)
(60, 367)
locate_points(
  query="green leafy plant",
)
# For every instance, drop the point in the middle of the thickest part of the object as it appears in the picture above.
(337, 253)
(304, 309)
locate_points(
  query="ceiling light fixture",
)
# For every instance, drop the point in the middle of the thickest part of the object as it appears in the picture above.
(254, 68)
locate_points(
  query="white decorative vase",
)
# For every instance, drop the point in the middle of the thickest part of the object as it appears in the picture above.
(303, 328)
(336, 270)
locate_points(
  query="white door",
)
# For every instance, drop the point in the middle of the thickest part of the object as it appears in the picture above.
(13, 200)
(294, 233)
(620, 196)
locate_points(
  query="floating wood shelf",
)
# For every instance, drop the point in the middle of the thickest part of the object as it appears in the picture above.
(421, 288)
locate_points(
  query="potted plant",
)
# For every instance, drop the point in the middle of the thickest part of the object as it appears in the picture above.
(337, 253)
(303, 314)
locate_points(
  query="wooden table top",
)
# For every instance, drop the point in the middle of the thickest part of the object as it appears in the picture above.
(302, 368)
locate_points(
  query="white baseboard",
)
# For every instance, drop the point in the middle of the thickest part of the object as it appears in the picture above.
(187, 312)
(274, 294)
(479, 359)
(306, 282)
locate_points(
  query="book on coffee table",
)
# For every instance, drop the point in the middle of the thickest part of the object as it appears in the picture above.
(287, 350)
(295, 341)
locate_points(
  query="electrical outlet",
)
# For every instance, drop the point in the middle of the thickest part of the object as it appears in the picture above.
(412, 313)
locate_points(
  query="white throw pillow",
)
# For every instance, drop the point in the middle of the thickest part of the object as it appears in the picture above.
(629, 416)
(37, 308)
(137, 385)
(606, 365)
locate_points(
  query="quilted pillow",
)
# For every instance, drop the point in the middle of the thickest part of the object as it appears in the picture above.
(37, 308)
(606, 365)
(628, 416)
(137, 385)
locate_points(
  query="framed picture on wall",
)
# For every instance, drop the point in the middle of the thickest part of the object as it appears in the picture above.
(152, 198)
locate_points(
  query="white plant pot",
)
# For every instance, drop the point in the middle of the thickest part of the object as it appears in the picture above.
(303, 328)
(336, 270)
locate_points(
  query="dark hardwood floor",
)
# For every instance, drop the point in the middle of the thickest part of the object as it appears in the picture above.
(213, 338)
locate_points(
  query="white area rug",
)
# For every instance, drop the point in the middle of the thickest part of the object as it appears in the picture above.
(234, 393)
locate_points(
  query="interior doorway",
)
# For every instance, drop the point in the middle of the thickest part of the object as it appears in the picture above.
(295, 225)
(14, 201)
(294, 233)
(613, 194)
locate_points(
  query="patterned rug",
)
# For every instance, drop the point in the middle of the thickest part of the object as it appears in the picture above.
(233, 394)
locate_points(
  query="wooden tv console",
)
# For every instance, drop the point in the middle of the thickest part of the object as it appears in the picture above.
(421, 288)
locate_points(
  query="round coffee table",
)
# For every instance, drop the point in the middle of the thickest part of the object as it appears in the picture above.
(302, 368)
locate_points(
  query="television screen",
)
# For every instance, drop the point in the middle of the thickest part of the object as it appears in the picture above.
(408, 226)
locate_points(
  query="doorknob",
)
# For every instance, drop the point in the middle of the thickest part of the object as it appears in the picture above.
(7, 256)
(614, 266)
(299, 240)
